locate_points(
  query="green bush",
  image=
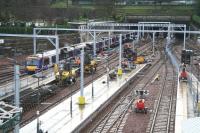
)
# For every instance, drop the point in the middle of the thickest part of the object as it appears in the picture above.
(26, 30)
(16, 30)
(196, 19)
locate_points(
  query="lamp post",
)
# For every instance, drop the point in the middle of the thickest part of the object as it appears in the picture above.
(107, 70)
(38, 76)
(197, 97)
(71, 103)
(93, 69)
(71, 82)
(198, 89)
(92, 83)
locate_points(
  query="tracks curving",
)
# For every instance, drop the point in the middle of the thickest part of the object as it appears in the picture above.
(114, 120)
(162, 120)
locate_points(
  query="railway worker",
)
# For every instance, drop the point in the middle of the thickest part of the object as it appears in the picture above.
(125, 63)
(77, 61)
(183, 67)
(102, 52)
(61, 65)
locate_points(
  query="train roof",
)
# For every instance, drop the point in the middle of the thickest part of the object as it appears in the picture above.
(79, 45)
(69, 48)
(48, 53)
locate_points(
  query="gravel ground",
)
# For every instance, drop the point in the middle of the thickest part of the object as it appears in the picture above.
(20, 59)
(138, 122)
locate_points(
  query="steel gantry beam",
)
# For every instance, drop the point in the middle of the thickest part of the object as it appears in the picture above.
(48, 37)
(138, 24)
(154, 22)
(169, 31)
(125, 31)
(147, 23)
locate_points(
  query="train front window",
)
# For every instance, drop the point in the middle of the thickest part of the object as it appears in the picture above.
(32, 62)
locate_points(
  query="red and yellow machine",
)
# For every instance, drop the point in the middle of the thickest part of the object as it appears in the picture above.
(139, 104)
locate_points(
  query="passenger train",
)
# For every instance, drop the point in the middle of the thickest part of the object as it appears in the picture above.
(45, 60)
(38, 62)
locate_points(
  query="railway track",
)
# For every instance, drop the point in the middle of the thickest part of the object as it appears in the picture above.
(162, 119)
(114, 120)
(113, 61)
(30, 106)
(7, 73)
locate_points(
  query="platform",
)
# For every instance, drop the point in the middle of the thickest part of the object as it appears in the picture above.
(181, 106)
(185, 103)
(58, 119)
(191, 125)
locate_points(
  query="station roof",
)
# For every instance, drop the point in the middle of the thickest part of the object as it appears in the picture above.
(78, 23)
(90, 22)
(191, 125)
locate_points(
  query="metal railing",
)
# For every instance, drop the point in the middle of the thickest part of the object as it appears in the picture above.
(27, 82)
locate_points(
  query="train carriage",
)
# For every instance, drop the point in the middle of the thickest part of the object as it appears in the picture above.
(38, 62)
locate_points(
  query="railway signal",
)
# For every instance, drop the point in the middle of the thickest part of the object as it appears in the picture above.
(141, 92)
(186, 56)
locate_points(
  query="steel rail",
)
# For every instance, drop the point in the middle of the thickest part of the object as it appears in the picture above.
(120, 117)
(161, 97)
(159, 101)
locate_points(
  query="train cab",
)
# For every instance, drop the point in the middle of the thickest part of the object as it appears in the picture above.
(35, 64)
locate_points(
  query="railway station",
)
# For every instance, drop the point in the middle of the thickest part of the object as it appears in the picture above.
(100, 75)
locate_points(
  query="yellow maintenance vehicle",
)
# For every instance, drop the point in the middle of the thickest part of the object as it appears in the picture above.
(139, 60)
(64, 74)
(132, 55)
(90, 65)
